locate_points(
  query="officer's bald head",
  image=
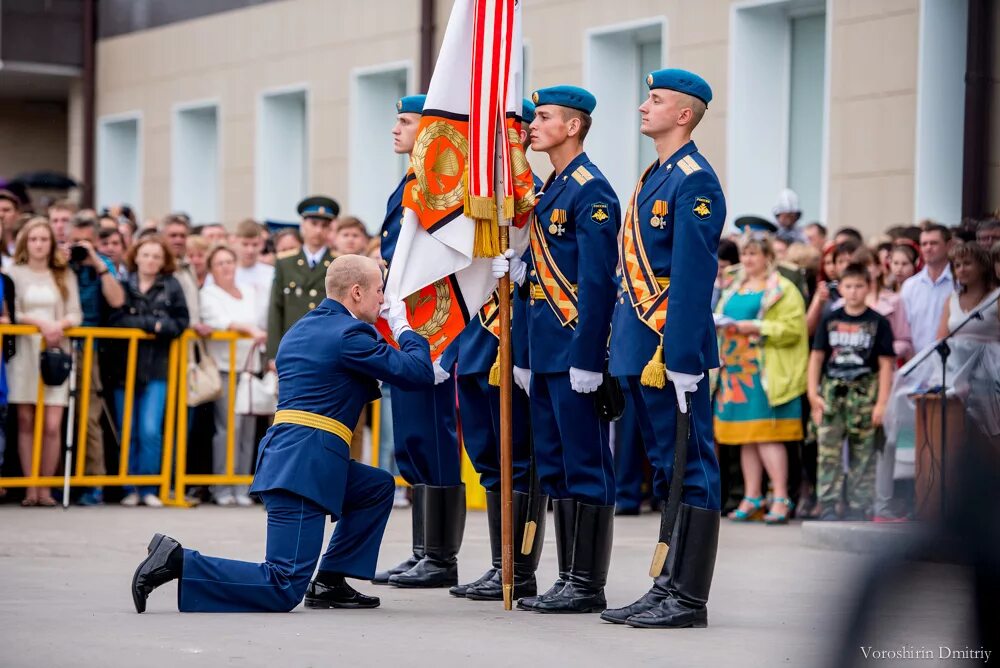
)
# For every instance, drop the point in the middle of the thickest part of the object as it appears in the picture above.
(356, 282)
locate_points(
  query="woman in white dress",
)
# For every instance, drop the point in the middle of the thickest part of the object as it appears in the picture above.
(226, 305)
(46, 297)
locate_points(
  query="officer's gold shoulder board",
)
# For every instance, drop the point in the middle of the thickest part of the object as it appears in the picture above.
(702, 207)
(688, 165)
(599, 213)
(581, 175)
(286, 254)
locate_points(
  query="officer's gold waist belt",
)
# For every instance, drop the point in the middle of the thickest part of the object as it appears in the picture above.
(538, 293)
(315, 421)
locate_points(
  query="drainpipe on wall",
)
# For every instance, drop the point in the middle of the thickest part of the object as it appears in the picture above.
(977, 109)
(427, 27)
(89, 103)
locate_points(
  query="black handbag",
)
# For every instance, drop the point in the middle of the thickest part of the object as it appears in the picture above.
(55, 366)
(609, 399)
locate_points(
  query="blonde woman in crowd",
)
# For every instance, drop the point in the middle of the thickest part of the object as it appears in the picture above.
(197, 257)
(46, 297)
(764, 350)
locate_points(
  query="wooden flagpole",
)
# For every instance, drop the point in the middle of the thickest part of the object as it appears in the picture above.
(506, 413)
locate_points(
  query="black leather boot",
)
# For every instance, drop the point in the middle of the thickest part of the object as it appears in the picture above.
(564, 518)
(330, 590)
(444, 524)
(493, 523)
(525, 565)
(164, 562)
(691, 564)
(584, 589)
(417, 520)
(652, 598)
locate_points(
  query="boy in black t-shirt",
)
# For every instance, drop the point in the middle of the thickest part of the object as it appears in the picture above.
(852, 351)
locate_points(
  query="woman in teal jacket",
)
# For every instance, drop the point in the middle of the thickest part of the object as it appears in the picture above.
(764, 348)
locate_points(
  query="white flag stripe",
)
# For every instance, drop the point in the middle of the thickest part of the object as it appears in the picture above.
(422, 258)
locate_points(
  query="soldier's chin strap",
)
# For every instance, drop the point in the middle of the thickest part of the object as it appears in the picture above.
(668, 515)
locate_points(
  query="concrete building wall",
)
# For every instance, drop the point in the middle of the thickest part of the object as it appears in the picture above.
(233, 57)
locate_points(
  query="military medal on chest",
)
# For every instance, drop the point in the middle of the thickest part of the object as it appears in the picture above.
(557, 221)
(659, 211)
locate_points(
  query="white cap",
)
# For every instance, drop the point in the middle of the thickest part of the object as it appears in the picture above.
(788, 202)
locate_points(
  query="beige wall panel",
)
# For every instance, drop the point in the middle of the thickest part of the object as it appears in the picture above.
(872, 113)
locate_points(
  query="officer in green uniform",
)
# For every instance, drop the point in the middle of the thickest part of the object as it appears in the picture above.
(298, 279)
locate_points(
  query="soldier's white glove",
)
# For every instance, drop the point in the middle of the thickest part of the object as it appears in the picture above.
(394, 312)
(684, 383)
(583, 381)
(440, 375)
(509, 262)
(522, 378)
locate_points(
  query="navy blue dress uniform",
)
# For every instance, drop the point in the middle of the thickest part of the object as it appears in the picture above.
(570, 298)
(328, 363)
(668, 252)
(298, 279)
(426, 444)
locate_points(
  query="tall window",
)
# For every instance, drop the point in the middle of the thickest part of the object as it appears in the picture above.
(618, 59)
(375, 169)
(195, 163)
(119, 161)
(776, 124)
(282, 167)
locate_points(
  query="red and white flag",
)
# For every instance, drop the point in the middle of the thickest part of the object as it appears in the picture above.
(461, 177)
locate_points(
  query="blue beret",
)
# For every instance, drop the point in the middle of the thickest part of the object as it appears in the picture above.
(527, 110)
(755, 224)
(573, 97)
(319, 206)
(411, 104)
(681, 81)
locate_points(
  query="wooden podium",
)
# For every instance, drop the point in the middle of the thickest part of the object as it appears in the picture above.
(936, 468)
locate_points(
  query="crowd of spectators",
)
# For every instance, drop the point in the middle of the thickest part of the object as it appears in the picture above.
(64, 267)
(811, 416)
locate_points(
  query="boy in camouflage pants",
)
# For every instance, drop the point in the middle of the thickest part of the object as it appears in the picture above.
(850, 375)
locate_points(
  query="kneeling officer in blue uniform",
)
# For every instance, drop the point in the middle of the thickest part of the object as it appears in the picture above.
(328, 363)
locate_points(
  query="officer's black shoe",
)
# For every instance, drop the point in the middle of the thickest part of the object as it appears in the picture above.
(417, 521)
(584, 590)
(444, 524)
(330, 590)
(691, 564)
(493, 524)
(164, 562)
(564, 518)
(652, 598)
(647, 601)
(525, 565)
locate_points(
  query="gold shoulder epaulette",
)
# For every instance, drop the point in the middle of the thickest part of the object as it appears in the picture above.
(582, 175)
(688, 165)
(286, 254)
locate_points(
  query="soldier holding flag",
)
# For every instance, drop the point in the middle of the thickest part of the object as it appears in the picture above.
(423, 424)
(571, 290)
(663, 341)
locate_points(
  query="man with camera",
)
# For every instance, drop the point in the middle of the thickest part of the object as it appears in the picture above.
(100, 292)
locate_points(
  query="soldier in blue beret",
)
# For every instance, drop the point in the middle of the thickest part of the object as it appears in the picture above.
(304, 469)
(662, 348)
(570, 290)
(479, 408)
(424, 425)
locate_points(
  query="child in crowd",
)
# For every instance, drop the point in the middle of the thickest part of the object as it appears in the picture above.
(849, 379)
(352, 237)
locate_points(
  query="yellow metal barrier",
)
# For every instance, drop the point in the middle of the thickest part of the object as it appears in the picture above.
(182, 480)
(175, 428)
(88, 335)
